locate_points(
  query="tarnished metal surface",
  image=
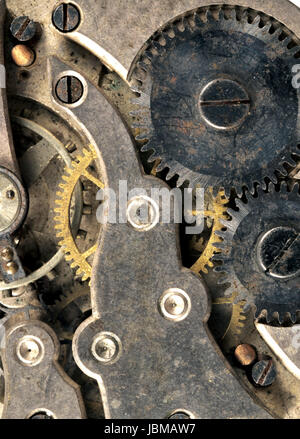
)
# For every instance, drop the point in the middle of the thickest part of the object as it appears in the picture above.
(153, 367)
(159, 355)
(242, 266)
(229, 118)
(144, 18)
(34, 381)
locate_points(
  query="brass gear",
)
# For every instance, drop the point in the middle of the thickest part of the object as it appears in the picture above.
(237, 320)
(216, 211)
(78, 169)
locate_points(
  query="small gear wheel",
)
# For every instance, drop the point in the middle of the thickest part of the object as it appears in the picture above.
(261, 253)
(80, 169)
(216, 102)
(214, 213)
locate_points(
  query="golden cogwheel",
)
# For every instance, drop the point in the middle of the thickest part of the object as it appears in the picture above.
(237, 317)
(215, 213)
(78, 169)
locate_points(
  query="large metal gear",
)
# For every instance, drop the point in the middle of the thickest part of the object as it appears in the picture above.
(261, 252)
(213, 91)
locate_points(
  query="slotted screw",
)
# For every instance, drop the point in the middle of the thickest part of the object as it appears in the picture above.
(69, 89)
(66, 17)
(23, 29)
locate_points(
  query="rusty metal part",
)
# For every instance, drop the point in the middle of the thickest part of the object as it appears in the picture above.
(264, 373)
(69, 89)
(66, 17)
(34, 381)
(245, 354)
(23, 56)
(23, 29)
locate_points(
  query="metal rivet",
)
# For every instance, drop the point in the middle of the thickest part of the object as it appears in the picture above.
(245, 354)
(23, 29)
(106, 347)
(175, 304)
(66, 17)
(22, 55)
(30, 350)
(41, 413)
(142, 213)
(181, 414)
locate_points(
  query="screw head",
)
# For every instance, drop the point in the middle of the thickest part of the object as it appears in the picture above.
(23, 29)
(30, 350)
(106, 347)
(224, 104)
(245, 354)
(66, 17)
(278, 253)
(69, 89)
(264, 373)
(175, 304)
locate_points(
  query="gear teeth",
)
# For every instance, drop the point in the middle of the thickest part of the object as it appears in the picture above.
(147, 147)
(198, 21)
(209, 17)
(216, 213)
(62, 219)
(141, 136)
(170, 175)
(279, 313)
(186, 26)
